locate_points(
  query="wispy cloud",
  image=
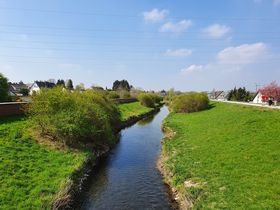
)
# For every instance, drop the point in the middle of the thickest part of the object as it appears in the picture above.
(232, 59)
(178, 27)
(217, 30)
(192, 69)
(155, 15)
(178, 53)
(243, 54)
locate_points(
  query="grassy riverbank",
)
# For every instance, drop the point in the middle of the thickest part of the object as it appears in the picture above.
(32, 173)
(132, 109)
(226, 157)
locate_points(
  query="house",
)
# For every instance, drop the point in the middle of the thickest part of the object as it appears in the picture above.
(259, 98)
(214, 94)
(222, 96)
(163, 93)
(37, 86)
(15, 88)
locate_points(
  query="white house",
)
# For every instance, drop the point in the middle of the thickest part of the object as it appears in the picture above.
(258, 99)
(38, 85)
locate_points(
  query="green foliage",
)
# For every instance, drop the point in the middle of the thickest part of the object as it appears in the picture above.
(149, 99)
(190, 102)
(132, 109)
(73, 117)
(112, 95)
(230, 152)
(121, 85)
(124, 94)
(69, 84)
(4, 88)
(31, 174)
(240, 94)
(24, 91)
(60, 82)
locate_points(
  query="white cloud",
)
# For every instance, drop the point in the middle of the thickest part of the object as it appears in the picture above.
(155, 15)
(243, 54)
(191, 69)
(178, 27)
(179, 53)
(217, 30)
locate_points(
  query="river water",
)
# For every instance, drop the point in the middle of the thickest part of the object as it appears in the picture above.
(128, 178)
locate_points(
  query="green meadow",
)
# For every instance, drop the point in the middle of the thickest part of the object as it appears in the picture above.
(31, 174)
(226, 157)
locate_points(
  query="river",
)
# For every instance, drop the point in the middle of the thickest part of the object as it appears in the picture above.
(128, 177)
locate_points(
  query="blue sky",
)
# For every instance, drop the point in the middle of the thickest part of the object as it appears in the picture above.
(186, 44)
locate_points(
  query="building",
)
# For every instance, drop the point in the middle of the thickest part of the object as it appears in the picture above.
(37, 86)
(15, 89)
(222, 95)
(259, 98)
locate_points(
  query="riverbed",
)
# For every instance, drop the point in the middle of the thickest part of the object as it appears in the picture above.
(128, 178)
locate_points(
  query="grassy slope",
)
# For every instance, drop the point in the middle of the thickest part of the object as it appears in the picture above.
(234, 150)
(132, 109)
(31, 174)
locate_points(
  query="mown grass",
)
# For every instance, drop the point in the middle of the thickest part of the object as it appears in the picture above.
(30, 173)
(132, 109)
(230, 154)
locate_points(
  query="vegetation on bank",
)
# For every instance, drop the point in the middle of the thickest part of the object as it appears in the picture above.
(150, 100)
(132, 109)
(74, 116)
(226, 157)
(31, 173)
(189, 102)
(35, 169)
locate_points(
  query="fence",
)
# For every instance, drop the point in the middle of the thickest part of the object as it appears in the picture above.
(12, 108)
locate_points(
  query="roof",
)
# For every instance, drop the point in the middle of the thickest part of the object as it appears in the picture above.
(16, 87)
(44, 84)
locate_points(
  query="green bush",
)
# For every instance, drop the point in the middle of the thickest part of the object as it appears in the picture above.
(71, 117)
(112, 95)
(149, 99)
(190, 102)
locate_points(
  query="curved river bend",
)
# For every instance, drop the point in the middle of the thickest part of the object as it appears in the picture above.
(128, 178)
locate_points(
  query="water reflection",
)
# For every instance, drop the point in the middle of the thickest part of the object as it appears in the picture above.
(128, 178)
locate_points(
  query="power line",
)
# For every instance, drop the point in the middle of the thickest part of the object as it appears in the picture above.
(137, 38)
(135, 16)
(106, 30)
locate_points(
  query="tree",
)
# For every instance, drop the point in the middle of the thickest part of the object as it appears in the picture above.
(240, 94)
(60, 82)
(80, 87)
(271, 91)
(121, 85)
(4, 88)
(24, 91)
(69, 84)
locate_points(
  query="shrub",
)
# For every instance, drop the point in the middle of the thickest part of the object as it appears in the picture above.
(112, 95)
(190, 102)
(4, 88)
(72, 117)
(149, 99)
(124, 94)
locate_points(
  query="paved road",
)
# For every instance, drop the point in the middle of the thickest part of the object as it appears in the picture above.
(249, 104)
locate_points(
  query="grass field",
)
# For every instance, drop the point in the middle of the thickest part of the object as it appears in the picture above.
(227, 157)
(132, 109)
(31, 173)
